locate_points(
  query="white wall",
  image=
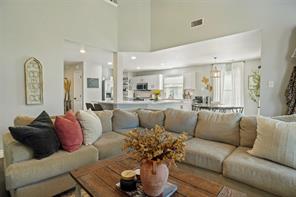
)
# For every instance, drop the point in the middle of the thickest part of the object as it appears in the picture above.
(170, 26)
(92, 22)
(30, 29)
(38, 28)
(134, 25)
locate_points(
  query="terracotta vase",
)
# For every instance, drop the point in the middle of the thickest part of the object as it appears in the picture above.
(153, 177)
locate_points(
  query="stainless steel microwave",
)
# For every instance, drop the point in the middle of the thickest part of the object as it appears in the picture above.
(142, 86)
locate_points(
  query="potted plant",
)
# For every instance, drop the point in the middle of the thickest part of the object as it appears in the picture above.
(155, 149)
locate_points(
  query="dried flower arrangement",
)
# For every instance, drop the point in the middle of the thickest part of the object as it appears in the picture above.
(156, 145)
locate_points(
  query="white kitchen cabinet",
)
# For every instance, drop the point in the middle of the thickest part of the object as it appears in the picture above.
(189, 81)
(133, 82)
(154, 81)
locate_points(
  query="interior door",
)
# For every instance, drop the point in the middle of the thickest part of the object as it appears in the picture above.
(78, 88)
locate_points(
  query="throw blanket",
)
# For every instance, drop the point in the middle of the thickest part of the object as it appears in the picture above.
(291, 93)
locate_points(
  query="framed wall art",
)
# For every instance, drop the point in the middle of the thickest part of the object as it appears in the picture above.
(92, 83)
(33, 81)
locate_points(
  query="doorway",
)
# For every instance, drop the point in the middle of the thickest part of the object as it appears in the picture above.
(73, 86)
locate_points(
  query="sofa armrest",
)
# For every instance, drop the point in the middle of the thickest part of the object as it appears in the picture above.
(15, 151)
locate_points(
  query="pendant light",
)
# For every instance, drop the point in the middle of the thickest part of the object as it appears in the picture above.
(215, 73)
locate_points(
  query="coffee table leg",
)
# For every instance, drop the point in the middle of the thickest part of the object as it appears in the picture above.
(78, 190)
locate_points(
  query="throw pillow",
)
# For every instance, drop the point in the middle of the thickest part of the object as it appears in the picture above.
(124, 119)
(148, 119)
(106, 119)
(91, 126)
(69, 132)
(39, 135)
(220, 127)
(276, 141)
(180, 121)
(248, 133)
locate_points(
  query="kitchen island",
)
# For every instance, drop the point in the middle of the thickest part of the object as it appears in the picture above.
(161, 104)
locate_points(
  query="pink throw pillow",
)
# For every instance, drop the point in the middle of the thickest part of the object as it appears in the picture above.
(69, 132)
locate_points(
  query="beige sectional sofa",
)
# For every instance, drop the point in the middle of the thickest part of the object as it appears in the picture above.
(223, 152)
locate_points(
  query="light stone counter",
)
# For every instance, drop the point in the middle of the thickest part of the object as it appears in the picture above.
(161, 104)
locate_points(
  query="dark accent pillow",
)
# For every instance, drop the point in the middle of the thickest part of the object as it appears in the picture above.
(39, 135)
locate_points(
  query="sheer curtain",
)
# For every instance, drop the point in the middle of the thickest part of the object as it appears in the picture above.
(229, 89)
(238, 84)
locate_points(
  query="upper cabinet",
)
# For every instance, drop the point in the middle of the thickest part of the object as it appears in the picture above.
(189, 81)
(154, 81)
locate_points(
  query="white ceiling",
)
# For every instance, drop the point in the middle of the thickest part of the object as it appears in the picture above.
(236, 47)
(93, 54)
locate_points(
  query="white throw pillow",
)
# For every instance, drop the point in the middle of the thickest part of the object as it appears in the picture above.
(276, 141)
(91, 126)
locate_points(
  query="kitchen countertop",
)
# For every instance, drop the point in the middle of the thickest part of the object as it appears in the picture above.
(140, 102)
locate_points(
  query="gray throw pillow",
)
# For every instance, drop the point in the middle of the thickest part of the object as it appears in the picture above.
(124, 119)
(180, 121)
(248, 131)
(148, 119)
(220, 127)
(106, 119)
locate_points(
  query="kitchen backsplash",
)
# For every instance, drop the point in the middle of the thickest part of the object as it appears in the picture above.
(143, 94)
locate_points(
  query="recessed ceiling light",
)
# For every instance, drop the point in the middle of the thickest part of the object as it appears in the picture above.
(133, 57)
(82, 50)
(162, 64)
(138, 68)
(109, 63)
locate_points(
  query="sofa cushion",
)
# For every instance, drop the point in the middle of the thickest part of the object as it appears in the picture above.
(180, 121)
(248, 133)
(206, 154)
(276, 141)
(106, 119)
(91, 126)
(260, 173)
(148, 119)
(124, 119)
(220, 127)
(15, 151)
(39, 135)
(109, 144)
(125, 131)
(248, 128)
(32, 171)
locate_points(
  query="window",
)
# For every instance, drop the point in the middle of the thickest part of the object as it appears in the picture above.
(173, 87)
(229, 89)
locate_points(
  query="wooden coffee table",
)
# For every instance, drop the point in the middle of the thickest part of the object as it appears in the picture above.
(99, 179)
